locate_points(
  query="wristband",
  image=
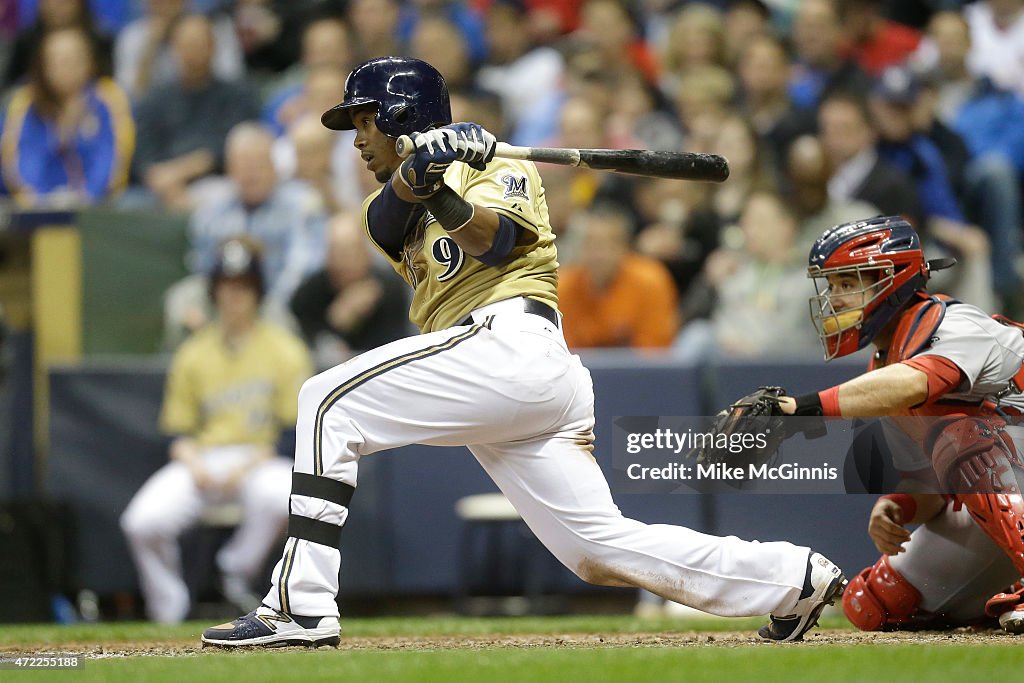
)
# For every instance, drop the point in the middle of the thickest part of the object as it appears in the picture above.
(908, 506)
(451, 211)
(830, 402)
(808, 405)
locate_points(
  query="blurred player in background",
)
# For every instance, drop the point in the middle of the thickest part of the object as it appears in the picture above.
(491, 371)
(938, 358)
(230, 395)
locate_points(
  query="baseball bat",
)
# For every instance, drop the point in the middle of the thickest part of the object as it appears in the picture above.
(679, 165)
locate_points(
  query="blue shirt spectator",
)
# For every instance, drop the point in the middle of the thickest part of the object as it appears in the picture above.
(990, 121)
(66, 137)
(919, 158)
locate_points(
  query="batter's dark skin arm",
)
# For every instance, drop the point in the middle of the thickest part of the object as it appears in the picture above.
(475, 237)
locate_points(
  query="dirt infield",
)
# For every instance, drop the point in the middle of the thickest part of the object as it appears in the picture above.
(695, 639)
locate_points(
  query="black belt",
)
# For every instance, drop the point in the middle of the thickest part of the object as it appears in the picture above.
(530, 306)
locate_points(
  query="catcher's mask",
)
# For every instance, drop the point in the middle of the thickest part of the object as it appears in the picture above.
(884, 266)
(409, 94)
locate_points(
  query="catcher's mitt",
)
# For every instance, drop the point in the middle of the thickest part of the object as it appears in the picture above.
(747, 432)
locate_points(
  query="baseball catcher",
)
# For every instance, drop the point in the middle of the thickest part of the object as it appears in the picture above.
(938, 358)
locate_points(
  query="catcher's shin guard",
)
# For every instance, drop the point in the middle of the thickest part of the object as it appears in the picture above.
(973, 459)
(879, 597)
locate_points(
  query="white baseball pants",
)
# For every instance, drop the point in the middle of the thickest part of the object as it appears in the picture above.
(524, 405)
(170, 502)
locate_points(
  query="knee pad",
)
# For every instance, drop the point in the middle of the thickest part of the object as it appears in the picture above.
(974, 459)
(880, 596)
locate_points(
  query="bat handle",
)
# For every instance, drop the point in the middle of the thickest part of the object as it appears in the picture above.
(404, 146)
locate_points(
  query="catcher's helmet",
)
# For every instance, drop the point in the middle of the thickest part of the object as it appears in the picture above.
(887, 250)
(410, 96)
(239, 257)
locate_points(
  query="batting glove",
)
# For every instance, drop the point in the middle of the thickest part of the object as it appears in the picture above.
(475, 145)
(423, 171)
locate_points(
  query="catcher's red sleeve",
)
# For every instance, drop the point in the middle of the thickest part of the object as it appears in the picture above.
(943, 374)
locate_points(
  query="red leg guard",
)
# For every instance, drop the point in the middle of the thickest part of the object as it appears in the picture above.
(973, 458)
(880, 596)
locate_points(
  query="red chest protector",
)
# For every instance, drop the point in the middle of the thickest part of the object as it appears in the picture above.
(916, 327)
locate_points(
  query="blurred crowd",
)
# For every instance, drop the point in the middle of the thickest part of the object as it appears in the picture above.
(828, 111)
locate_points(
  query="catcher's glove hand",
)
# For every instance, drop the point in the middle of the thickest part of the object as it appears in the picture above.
(747, 432)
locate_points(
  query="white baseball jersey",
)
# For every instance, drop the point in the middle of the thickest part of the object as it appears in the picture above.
(507, 387)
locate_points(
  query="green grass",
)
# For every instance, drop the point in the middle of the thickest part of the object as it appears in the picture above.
(755, 662)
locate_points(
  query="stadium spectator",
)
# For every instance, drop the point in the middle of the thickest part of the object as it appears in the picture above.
(295, 102)
(465, 19)
(527, 77)
(610, 27)
(988, 119)
(145, 55)
(286, 217)
(984, 115)
(354, 304)
(696, 37)
(182, 125)
(737, 141)
(822, 68)
(764, 71)
(308, 154)
(680, 230)
(374, 28)
(758, 310)
(807, 177)
(997, 42)
(875, 41)
(67, 136)
(610, 296)
(901, 145)
(437, 40)
(849, 139)
(640, 117)
(744, 21)
(704, 100)
(53, 15)
(269, 31)
(986, 185)
(230, 396)
(326, 45)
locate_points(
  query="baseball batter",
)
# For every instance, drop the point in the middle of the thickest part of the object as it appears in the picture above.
(225, 407)
(491, 371)
(935, 357)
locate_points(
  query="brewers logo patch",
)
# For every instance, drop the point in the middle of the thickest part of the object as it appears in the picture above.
(515, 186)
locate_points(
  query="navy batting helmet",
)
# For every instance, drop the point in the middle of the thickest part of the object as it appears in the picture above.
(410, 96)
(239, 257)
(884, 255)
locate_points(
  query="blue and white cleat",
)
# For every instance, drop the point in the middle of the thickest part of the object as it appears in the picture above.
(266, 627)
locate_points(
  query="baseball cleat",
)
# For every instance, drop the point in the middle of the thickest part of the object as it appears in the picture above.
(1013, 621)
(266, 627)
(824, 583)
